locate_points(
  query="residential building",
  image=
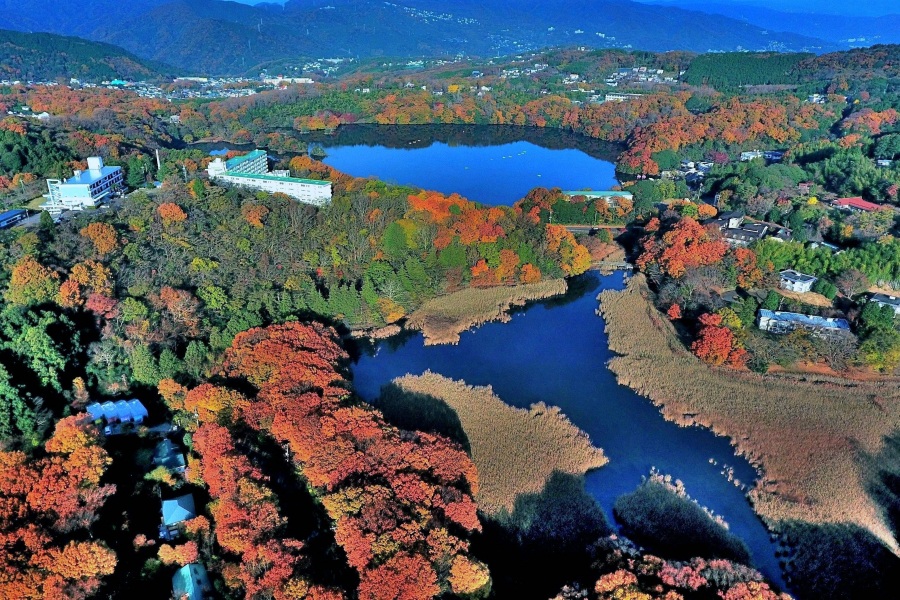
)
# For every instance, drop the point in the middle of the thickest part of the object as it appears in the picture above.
(856, 204)
(11, 217)
(191, 582)
(620, 97)
(610, 196)
(169, 456)
(779, 322)
(256, 162)
(174, 513)
(887, 300)
(252, 171)
(796, 281)
(736, 232)
(85, 188)
(118, 417)
(746, 156)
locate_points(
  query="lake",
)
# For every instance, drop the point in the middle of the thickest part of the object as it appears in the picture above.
(556, 351)
(493, 165)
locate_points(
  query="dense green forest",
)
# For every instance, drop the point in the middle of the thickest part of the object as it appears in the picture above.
(48, 57)
(730, 70)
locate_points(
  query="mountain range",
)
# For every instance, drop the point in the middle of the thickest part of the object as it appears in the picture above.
(857, 29)
(217, 37)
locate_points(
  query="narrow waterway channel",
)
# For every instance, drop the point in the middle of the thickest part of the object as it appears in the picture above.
(556, 351)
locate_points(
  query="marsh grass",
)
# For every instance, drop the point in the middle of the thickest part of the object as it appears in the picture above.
(807, 434)
(442, 319)
(516, 450)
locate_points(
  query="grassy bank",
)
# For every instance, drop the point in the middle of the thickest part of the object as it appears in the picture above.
(516, 450)
(807, 434)
(443, 319)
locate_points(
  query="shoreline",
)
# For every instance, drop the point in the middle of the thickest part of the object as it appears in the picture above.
(442, 319)
(805, 435)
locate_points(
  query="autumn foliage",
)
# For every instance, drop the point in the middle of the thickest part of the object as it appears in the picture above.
(716, 344)
(170, 213)
(46, 502)
(686, 244)
(103, 236)
(32, 283)
(401, 502)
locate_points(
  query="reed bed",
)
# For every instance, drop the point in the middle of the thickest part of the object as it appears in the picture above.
(442, 319)
(806, 434)
(516, 450)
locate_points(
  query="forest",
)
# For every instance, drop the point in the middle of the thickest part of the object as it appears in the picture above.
(48, 57)
(225, 311)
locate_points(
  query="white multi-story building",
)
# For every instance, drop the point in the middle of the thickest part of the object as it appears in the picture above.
(252, 171)
(85, 188)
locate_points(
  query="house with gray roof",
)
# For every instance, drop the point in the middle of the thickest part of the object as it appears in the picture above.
(737, 231)
(169, 456)
(795, 281)
(779, 322)
(887, 300)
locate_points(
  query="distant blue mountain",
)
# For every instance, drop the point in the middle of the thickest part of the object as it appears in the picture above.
(851, 30)
(218, 37)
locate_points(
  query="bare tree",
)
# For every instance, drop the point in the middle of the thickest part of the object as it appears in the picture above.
(852, 282)
(838, 349)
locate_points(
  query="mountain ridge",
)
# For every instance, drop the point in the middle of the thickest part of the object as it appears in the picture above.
(219, 37)
(47, 56)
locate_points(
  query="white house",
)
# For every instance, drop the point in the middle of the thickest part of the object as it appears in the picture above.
(796, 281)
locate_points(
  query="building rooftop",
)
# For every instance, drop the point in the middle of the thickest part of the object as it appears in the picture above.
(168, 455)
(9, 214)
(122, 410)
(178, 509)
(190, 581)
(797, 276)
(886, 299)
(239, 160)
(599, 194)
(805, 320)
(276, 178)
(858, 203)
(91, 175)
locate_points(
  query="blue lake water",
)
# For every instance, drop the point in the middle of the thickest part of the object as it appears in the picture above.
(494, 174)
(556, 352)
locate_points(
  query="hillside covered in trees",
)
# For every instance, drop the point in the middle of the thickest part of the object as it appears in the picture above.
(49, 57)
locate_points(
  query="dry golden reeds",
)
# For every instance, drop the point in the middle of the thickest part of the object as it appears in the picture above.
(805, 433)
(442, 319)
(515, 450)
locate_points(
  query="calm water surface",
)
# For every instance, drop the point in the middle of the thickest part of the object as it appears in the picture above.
(556, 351)
(482, 164)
